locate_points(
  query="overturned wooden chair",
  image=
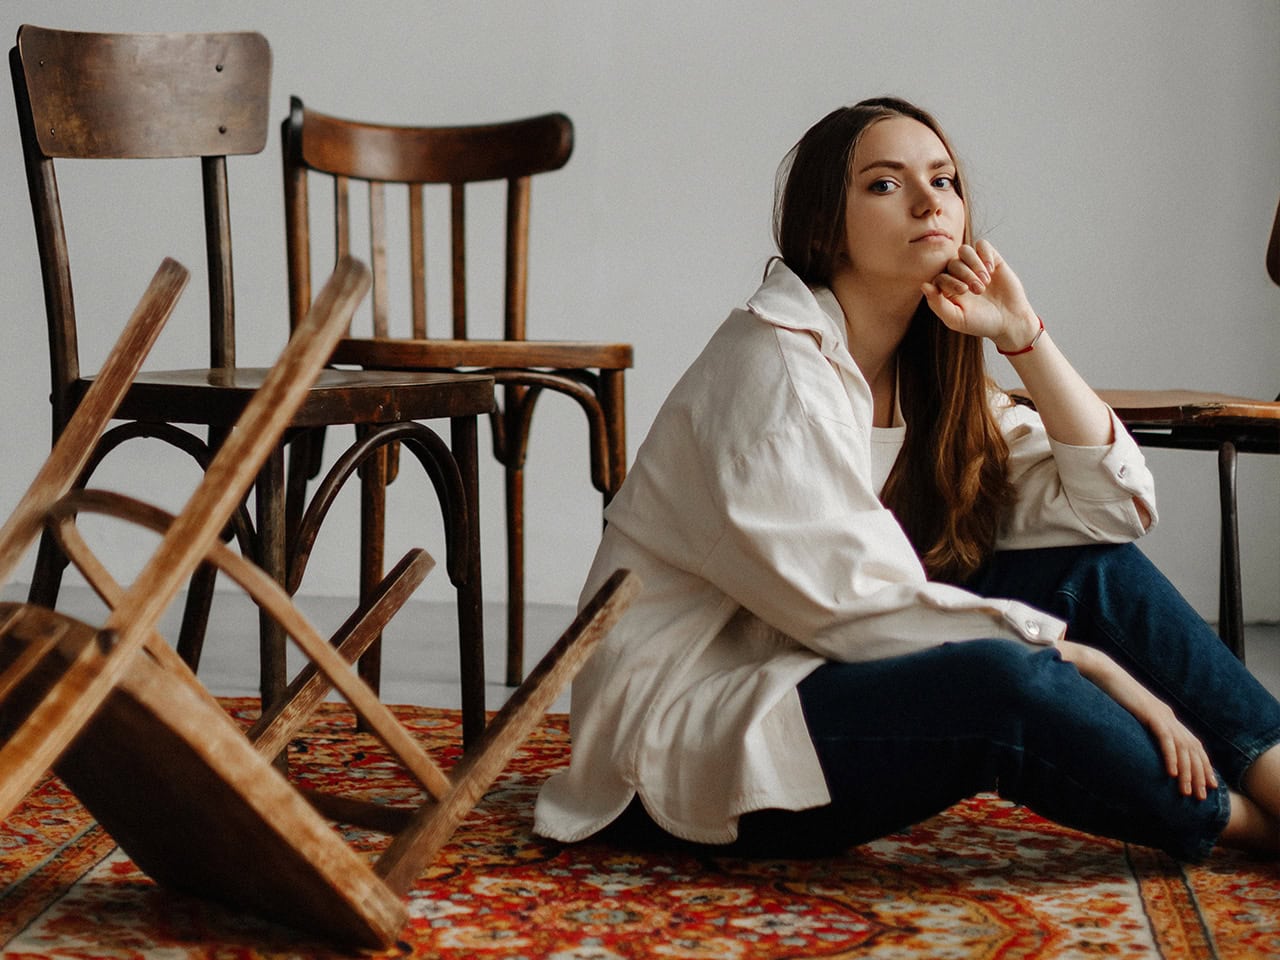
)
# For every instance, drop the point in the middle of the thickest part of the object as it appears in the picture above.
(195, 802)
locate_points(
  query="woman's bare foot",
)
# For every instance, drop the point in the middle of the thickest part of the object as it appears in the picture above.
(1251, 828)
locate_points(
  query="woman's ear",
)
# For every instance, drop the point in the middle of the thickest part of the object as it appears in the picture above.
(830, 247)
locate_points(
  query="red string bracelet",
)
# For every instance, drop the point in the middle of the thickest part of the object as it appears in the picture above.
(1028, 348)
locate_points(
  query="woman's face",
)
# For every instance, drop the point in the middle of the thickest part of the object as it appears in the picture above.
(904, 219)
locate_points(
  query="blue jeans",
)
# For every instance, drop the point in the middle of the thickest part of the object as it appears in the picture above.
(902, 739)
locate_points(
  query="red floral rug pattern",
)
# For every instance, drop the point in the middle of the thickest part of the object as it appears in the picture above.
(984, 880)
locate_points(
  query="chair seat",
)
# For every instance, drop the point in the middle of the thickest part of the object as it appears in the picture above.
(389, 353)
(1187, 407)
(205, 396)
(169, 775)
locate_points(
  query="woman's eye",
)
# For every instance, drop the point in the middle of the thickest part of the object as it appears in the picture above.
(944, 183)
(882, 186)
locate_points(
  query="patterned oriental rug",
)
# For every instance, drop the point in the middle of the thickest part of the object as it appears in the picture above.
(984, 880)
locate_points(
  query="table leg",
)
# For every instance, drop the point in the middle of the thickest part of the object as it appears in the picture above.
(1230, 599)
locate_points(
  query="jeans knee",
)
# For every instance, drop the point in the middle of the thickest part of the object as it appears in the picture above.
(1058, 579)
(1110, 566)
(1006, 673)
(996, 658)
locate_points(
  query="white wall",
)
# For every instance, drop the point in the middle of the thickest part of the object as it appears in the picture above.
(1124, 157)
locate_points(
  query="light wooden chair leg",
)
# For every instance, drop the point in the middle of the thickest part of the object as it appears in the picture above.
(32, 748)
(278, 725)
(75, 446)
(413, 848)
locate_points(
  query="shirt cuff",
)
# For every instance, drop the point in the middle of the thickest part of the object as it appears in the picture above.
(1032, 625)
(1116, 471)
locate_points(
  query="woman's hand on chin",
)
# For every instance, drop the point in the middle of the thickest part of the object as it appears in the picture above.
(979, 294)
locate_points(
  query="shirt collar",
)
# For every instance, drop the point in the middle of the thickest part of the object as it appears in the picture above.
(785, 300)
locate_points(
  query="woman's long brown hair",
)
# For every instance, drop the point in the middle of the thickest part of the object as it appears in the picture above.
(949, 487)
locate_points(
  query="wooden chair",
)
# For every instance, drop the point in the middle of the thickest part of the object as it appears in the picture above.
(392, 158)
(1195, 420)
(193, 801)
(150, 96)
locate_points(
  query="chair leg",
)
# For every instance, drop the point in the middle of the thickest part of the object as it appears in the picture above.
(195, 615)
(373, 522)
(1230, 600)
(612, 396)
(303, 466)
(470, 595)
(433, 824)
(515, 574)
(269, 499)
(276, 727)
(46, 581)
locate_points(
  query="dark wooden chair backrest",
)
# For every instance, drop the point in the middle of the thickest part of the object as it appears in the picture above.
(418, 157)
(1273, 255)
(136, 96)
(1273, 249)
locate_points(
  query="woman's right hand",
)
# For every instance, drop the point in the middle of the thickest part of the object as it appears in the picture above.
(978, 294)
(1184, 755)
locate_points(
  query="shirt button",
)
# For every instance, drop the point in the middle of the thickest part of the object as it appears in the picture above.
(1124, 469)
(1033, 629)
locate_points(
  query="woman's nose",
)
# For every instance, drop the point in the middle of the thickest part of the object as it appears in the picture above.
(927, 203)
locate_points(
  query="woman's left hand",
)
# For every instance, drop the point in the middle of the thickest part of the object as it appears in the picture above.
(1185, 758)
(979, 294)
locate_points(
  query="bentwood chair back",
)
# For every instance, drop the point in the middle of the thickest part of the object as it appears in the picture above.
(367, 166)
(194, 802)
(1230, 424)
(199, 99)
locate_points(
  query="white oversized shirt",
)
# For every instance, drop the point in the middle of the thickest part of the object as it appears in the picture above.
(752, 518)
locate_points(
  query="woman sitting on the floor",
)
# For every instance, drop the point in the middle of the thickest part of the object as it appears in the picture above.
(873, 586)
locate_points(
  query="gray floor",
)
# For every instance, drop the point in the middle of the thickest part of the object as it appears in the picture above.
(420, 664)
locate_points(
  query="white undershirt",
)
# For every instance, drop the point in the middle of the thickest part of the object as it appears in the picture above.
(886, 444)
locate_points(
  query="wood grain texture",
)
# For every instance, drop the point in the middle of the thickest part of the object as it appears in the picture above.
(448, 160)
(217, 81)
(201, 98)
(29, 749)
(414, 847)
